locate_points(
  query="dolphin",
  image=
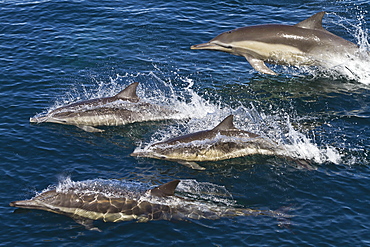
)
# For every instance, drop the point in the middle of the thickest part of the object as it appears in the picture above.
(222, 142)
(89, 200)
(306, 43)
(120, 109)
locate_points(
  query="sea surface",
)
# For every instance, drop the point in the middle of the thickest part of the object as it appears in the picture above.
(53, 53)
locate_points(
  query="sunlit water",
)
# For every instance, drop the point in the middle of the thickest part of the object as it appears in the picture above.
(57, 53)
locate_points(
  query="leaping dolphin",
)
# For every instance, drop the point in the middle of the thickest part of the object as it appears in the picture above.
(120, 109)
(222, 142)
(306, 43)
(90, 200)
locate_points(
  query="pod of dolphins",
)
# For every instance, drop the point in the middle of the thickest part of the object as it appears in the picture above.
(306, 43)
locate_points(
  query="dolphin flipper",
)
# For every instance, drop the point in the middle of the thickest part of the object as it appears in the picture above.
(87, 223)
(259, 65)
(89, 128)
(191, 165)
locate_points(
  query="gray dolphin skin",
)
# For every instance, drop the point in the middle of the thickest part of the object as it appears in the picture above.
(120, 109)
(91, 200)
(220, 143)
(306, 43)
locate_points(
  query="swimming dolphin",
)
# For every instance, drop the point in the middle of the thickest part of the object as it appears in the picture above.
(90, 200)
(222, 142)
(306, 43)
(120, 109)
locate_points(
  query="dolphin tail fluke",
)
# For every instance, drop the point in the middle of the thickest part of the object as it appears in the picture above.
(259, 65)
(283, 217)
(280, 214)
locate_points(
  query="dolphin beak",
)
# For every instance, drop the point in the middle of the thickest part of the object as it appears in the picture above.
(33, 120)
(38, 119)
(25, 204)
(143, 154)
(139, 154)
(211, 46)
(134, 154)
(204, 46)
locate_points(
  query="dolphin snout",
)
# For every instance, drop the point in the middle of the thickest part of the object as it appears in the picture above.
(143, 154)
(38, 119)
(33, 120)
(139, 154)
(134, 154)
(24, 204)
(211, 46)
(202, 46)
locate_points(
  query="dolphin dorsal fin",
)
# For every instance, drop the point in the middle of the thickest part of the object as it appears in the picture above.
(226, 124)
(129, 93)
(313, 22)
(167, 189)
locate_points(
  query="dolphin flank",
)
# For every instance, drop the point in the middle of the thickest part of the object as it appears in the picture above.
(120, 109)
(91, 200)
(220, 143)
(306, 43)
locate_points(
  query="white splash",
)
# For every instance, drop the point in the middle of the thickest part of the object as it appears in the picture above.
(279, 128)
(206, 190)
(108, 187)
(299, 146)
(353, 66)
(348, 66)
(202, 196)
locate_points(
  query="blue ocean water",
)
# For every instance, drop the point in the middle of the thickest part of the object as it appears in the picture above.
(56, 52)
